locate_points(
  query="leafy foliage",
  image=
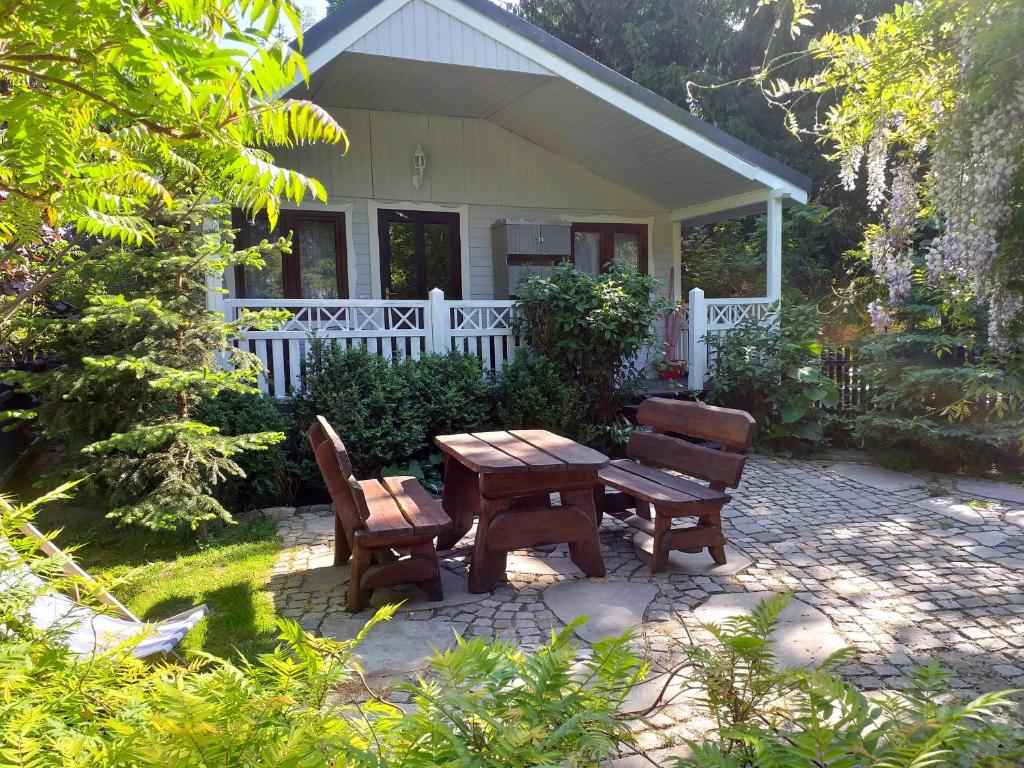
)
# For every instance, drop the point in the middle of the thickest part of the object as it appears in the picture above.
(100, 100)
(302, 704)
(389, 412)
(938, 396)
(774, 371)
(530, 395)
(766, 716)
(269, 477)
(728, 258)
(592, 328)
(136, 364)
(930, 99)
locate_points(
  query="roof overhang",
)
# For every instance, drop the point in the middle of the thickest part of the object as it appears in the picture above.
(550, 94)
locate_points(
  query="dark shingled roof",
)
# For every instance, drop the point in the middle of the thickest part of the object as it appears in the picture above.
(338, 20)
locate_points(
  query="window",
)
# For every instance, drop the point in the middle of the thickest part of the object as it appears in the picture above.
(419, 251)
(315, 269)
(596, 246)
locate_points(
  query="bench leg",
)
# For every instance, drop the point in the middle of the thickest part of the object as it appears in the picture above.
(717, 553)
(659, 551)
(342, 551)
(643, 509)
(358, 598)
(431, 587)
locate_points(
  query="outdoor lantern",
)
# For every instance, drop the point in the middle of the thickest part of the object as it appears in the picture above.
(419, 165)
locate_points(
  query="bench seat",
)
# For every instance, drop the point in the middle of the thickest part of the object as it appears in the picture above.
(401, 509)
(657, 486)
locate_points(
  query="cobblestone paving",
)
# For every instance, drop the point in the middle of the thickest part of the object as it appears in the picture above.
(901, 575)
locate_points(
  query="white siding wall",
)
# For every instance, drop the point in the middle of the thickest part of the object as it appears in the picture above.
(469, 162)
(425, 33)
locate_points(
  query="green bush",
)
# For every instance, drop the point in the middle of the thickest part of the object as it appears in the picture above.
(929, 406)
(450, 392)
(304, 704)
(774, 371)
(269, 477)
(769, 716)
(389, 412)
(592, 328)
(530, 395)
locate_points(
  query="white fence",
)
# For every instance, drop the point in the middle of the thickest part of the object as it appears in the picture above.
(711, 319)
(392, 329)
(400, 329)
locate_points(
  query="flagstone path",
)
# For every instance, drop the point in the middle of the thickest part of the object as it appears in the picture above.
(873, 558)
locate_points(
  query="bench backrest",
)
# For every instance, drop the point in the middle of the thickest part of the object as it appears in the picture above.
(733, 429)
(336, 468)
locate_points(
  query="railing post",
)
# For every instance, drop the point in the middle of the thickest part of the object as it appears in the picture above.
(697, 354)
(440, 334)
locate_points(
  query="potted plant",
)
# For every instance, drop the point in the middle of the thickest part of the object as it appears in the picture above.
(671, 365)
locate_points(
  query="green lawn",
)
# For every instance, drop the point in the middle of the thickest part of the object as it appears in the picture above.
(169, 572)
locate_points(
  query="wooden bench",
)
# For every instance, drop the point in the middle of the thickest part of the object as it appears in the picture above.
(641, 482)
(387, 527)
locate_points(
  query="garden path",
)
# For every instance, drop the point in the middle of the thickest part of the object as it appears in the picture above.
(876, 558)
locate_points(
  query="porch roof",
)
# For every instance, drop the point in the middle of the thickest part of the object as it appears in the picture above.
(472, 58)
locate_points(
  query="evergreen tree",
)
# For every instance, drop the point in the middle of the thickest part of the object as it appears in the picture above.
(138, 359)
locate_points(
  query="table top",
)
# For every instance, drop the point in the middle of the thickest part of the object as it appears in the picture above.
(520, 450)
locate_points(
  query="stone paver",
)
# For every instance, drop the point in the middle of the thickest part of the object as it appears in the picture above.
(394, 647)
(803, 637)
(611, 607)
(992, 490)
(892, 571)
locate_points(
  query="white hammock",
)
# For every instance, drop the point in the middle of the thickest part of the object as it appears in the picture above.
(81, 628)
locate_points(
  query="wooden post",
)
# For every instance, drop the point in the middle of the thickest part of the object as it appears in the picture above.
(774, 249)
(697, 354)
(440, 335)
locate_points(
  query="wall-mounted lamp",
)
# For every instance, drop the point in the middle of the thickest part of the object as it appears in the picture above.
(419, 165)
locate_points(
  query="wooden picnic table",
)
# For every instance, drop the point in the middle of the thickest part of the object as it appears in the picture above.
(506, 479)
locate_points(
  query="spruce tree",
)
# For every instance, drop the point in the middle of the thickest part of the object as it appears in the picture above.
(138, 359)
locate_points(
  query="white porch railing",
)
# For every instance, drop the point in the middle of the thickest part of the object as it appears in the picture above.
(401, 329)
(392, 329)
(712, 319)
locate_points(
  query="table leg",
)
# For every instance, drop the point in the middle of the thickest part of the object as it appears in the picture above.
(487, 568)
(460, 499)
(586, 552)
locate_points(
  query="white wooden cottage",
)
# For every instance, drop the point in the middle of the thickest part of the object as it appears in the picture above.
(482, 146)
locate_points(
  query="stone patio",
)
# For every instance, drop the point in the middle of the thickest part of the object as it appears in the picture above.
(874, 559)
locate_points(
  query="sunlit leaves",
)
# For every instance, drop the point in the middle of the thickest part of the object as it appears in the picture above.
(100, 94)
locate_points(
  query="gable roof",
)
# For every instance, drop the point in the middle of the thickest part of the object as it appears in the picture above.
(541, 52)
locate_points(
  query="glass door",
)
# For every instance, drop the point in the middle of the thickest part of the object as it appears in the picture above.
(595, 247)
(419, 251)
(316, 268)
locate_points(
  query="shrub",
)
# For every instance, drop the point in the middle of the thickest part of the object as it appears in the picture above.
(269, 475)
(483, 705)
(389, 412)
(450, 392)
(774, 371)
(530, 395)
(592, 328)
(767, 716)
(931, 405)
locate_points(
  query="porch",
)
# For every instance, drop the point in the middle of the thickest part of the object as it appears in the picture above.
(399, 329)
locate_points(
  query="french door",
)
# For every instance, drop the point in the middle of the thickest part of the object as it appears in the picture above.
(595, 247)
(316, 268)
(419, 251)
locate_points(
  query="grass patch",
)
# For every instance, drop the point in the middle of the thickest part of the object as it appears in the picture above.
(169, 572)
(980, 504)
